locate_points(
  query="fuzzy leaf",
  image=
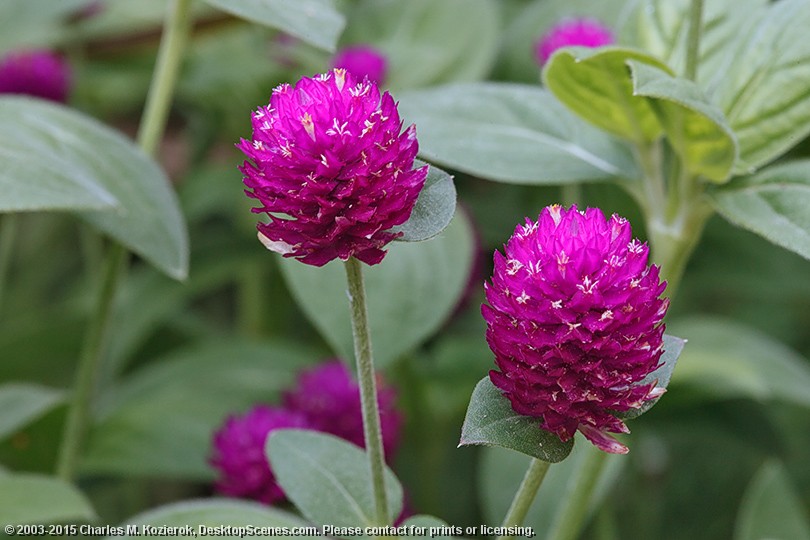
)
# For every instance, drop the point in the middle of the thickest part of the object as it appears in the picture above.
(434, 208)
(673, 346)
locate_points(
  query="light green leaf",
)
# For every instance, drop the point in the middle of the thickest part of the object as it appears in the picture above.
(435, 527)
(490, 421)
(673, 346)
(22, 403)
(40, 138)
(328, 478)
(511, 133)
(409, 294)
(771, 509)
(696, 129)
(596, 84)
(423, 42)
(317, 22)
(160, 420)
(434, 208)
(34, 498)
(727, 360)
(774, 203)
(35, 23)
(217, 518)
(765, 93)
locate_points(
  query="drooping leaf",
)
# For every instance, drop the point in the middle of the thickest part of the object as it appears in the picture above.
(218, 518)
(23, 402)
(409, 294)
(490, 421)
(35, 499)
(596, 85)
(673, 346)
(771, 508)
(774, 203)
(317, 22)
(328, 478)
(41, 139)
(434, 208)
(695, 128)
(511, 133)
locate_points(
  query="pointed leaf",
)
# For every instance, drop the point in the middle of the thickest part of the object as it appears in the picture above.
(328, 478)
(673, 346)
(34, 498)
(511, 133)
(434, 208)
(774, 203)
(317, 22)
(596, 84)
(695, 128)
(491, 421)
(771, 508)
(22, 403)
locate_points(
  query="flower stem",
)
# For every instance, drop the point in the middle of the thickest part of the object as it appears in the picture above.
(368, 387)
(525, 494)
(153, 124)
(693, 39)
(8, 232)
(570, 517)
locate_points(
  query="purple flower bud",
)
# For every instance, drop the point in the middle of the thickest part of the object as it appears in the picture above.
(239, 454)
(331, 169)
(572, 32)
(362, 61)
(329, 398)
(575, 322)
(37, 73)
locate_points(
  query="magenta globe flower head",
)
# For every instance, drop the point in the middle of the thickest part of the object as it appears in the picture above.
(35, 72)
(239, 456)
(362, 61)
(332, 169)
(575, 322)
(572, 32)
(329, 398)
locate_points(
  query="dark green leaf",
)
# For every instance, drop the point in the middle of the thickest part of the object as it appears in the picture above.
(315, 21)
(771, 509)
(673, 346)
(434, 208)
(34, 498)
(774, 203)
(491, 421)
(23, 402)
(328, 478)
(695, 128)
(511, 133)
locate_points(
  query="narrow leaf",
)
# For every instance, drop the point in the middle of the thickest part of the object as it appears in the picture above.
(22, 403)
(33, 498)
(491, 421)
(434, 208)
(771, 508)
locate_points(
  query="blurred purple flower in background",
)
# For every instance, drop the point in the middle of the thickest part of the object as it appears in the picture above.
(36, 72)
(362, 61)
(572, 32)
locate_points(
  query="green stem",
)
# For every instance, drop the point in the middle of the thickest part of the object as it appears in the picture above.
(8, 232)
(368, 388)
(153, 124)
(571, 193)
(693, 39)
(570, 518)
(524, 497)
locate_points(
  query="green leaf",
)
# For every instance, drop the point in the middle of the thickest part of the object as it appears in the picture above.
(673, 346)
(774, 203)
(34, 498)
(42, 137)
(22, 403)
(511, 133)
(765, 93)
(491, 421)
(771, 508)
(434, 208)
(435, 527)
(317, 22)
(409, 295)
(596, 84)
(35, 23)
(211, 518)
(696, 129)
(727, 360)
(423, 42)
(328, 478)
(160, 420)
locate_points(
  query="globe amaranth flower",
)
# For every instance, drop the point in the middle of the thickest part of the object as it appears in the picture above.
(35, 72)
(572, 32)
(575, 322)
(331, 169)
(239, 456)
(329, 398)
(362, 61)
